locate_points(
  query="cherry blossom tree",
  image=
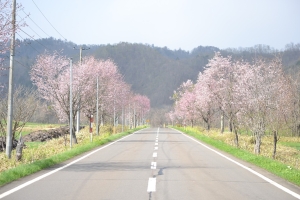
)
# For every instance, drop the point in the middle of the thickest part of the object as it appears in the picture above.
(223, 78)
(50, 74)
(264, 93)
(295, 113)
(257, 95)
(138, 107)
(184, 98)
(205, 101)
(6, 28)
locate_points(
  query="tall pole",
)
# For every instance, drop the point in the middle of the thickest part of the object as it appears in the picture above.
(97, 117)
(134, 124)
(122, 118)
(10, 85)
(114, 107)
(78, 109)
(129, 121)
(71, 111)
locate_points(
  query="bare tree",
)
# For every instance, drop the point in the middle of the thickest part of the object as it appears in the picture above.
(25, 102)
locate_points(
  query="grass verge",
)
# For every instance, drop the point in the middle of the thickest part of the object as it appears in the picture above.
(27, 169)
(282, 170)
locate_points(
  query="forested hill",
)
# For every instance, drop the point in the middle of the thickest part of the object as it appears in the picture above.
(152, 71)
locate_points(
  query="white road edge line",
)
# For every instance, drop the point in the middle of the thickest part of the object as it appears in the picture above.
(151, 185)
(58, 169)
(247, 168)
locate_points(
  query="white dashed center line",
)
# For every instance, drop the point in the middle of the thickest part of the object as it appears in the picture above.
(151, 185)
(153, 165)
(152, 181)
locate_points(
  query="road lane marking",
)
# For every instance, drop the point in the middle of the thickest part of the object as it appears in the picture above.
(151, 185)
(58, 169)
(152, 181)
(247, 168)
(153, 165)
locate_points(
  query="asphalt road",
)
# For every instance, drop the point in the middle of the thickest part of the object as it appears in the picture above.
(154, 163)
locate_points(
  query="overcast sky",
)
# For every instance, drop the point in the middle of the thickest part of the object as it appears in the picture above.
(175, 24)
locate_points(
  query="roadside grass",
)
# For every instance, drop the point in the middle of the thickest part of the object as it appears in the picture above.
(39, 156)
(287, 162)
(33, 145)
(295, 145)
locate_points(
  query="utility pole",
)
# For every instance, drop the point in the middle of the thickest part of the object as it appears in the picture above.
(114, 112)
(10, 85)
(97, 117)
(71, 104)
(134, 124)
(78, 108)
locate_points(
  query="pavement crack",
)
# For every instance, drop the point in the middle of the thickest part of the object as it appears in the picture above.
(150, 195)
(160, 172)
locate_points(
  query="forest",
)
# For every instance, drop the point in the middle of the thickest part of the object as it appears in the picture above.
(152, 71)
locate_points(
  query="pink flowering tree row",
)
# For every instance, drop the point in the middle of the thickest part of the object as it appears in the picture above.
(257, 96)
(51, 75)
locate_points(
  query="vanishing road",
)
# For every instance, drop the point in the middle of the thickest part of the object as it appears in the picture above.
(154, 163)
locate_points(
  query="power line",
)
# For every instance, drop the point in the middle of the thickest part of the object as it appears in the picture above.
(27, 67)
(34, 32)
(29, 44)
(36, 24)
(49, 21)
(33, 38)
(30, 27)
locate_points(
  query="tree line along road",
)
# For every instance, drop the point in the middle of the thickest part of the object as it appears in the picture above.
(153, 163)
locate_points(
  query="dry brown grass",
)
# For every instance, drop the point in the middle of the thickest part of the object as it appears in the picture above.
(287, 155)
(55, 146)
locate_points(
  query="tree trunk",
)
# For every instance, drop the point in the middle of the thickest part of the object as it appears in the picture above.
(275, 134)
(230, 125)
(257, 143)
(236, 139)
(222, 122)
(74, 139)
(19, 149)
(101, 119)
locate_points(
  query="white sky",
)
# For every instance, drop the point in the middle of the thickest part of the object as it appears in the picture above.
(176, 24)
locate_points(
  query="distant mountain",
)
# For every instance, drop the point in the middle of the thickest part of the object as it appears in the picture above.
(152, 71)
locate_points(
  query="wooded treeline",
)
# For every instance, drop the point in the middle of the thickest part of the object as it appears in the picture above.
(152, 71)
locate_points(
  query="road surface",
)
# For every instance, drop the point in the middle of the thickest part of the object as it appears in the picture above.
(154, 163)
